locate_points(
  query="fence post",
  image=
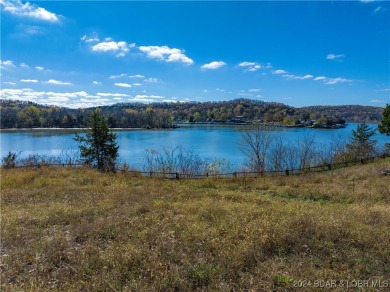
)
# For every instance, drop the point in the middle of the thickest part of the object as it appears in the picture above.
(234, 174)
(177, 176)
(287, 172)
(207, 174)
(329, 166)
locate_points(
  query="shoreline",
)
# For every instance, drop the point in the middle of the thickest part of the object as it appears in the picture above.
(66, 129)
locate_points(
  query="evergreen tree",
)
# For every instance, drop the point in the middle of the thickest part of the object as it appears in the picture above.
(98, 145)
(384, 126)
(362, 146)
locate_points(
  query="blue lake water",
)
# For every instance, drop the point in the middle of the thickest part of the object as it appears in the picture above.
(209, 141)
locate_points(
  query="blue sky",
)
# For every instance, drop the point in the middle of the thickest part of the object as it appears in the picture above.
(82, 54)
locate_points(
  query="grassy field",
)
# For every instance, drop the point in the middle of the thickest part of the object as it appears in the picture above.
(80, 230)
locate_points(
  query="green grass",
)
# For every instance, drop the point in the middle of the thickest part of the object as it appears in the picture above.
(78, 229)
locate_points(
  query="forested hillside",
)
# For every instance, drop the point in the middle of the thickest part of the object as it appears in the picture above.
(350, 113)
(16, 114)
(20, 114)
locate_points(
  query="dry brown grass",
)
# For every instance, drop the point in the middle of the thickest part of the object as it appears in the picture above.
(80, 230)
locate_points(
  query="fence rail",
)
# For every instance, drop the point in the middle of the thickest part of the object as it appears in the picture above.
(177, 175)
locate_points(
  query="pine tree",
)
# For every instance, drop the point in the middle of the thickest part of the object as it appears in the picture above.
(362, 146)
(384, 126)
(98, 145)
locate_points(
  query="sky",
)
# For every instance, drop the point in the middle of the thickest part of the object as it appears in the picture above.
(91, 53)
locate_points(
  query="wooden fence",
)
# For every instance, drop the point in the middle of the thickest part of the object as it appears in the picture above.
(176, 175)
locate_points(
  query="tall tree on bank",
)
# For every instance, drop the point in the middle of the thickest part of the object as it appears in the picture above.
(362, 145)
(384, 126)
(255, 142)
(98, 145)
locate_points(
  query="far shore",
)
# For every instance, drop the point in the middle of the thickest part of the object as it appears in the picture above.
(63, 129)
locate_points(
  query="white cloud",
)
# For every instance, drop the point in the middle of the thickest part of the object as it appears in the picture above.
(25, 29)
(59, 99)
(57, 82)
(335, 57)
(70, 94)
(367, 1)
(106, 94)
(279, 72)
(245, 64)
(29, 80)
(6, 64)
(29, 10)
(9, 83)
(126, 75)
(166, 54)
(23, 65)
(332, 81)
(121, 47)
(377, 101)
(254, 90)
(137, 84)
(118, 76)
(96, 83)
(70, 99)
(290, 76)
(141, 96)
(250, 66)
(12, 92)
(90, 39)
(122, 84)
(151, 80)
(307, 76)
(147, 98)
(39, 68)
(213, 65)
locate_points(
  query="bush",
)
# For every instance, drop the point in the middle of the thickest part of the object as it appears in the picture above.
(179, 160)
(9, 161)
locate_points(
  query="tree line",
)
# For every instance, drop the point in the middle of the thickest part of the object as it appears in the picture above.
(16, 114)
(20, 114)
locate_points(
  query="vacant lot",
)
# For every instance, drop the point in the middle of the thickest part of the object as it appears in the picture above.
(79, 230)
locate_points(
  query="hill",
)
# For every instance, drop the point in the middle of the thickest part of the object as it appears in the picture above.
(20, 114)
(75, 229)
(351, 113)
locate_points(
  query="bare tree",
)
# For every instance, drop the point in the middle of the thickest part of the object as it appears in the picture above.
(334, 150)
(255, 142)
(180, 160)
(293, 155)
(278, 153)
(307, 151)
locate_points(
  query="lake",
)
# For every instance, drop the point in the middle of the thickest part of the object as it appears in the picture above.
(209, 141)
